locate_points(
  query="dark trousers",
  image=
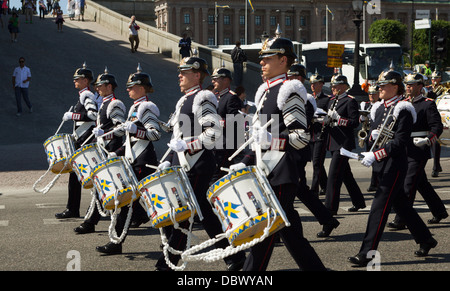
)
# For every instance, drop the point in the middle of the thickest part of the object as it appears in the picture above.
(319, 150)
(390, 194)
(436, 149)
(211, 224)
(311, 201)
(74, 199)
(238, 73)
(22, 92)
(298, 246)
(416, 180)
(340, 172)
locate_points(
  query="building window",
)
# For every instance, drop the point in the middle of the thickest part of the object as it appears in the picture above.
(302, 21)
(241, 19)
(226, 19)
(187, 19)
(273, 20)
(210, 19)
(211, 41)
(242, 40)
(257, 19)
(226, 41)
(288, 21)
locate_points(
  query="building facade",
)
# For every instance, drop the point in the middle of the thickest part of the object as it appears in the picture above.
(299, 20)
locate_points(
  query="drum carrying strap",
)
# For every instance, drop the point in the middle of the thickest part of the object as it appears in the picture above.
(83, 126)
(132, 152)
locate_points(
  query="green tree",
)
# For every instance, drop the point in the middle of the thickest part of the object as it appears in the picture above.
(387, 31)
(423, 43)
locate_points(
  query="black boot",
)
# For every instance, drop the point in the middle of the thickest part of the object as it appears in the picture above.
(110, 249)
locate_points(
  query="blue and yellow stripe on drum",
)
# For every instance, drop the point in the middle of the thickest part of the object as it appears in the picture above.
(226, 179)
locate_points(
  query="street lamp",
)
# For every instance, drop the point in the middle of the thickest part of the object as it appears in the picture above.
(356, 88)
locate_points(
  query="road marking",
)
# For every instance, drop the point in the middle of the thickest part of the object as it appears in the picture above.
(4, 222)
(50, 205)
(49, 221)
(2, 206)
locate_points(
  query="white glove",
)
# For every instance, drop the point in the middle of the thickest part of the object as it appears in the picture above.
(177, 145)
(420, 141)
(375, 133)
(319, 112)
(130, 127)
(334, 115)
(98, 131)
(237, 167)
(112, 155)
(369, 158)
(262, 137)
(164, 165)
(67, 116)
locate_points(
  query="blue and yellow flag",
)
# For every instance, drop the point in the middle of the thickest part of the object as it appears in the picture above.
(251, 5)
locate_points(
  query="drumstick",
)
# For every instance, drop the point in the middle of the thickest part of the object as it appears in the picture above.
(249, 141)
(87, 140)
(151, 166)
(117, 128)
(225, 169)
(62, 122)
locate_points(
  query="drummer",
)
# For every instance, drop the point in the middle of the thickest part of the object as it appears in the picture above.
(229, 106)
(284, 101)
(111, 113)
(83, 116)
(142, 129)
(193, 151)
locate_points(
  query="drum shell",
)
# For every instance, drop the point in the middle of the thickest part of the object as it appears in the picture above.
(115, 180)
(58, 149)
(241, 203)
(163, 191)
(84, 160)
(443, 106)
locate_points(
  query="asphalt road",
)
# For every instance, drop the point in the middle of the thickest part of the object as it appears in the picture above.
(32, 239)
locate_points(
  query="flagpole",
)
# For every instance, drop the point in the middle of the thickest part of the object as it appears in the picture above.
(326, 22)
(246, 3)
(215, 24)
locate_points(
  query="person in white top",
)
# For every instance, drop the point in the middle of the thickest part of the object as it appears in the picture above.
(21, 80)
(133, 34)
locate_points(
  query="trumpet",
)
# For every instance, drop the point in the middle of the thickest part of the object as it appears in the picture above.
(386, 131)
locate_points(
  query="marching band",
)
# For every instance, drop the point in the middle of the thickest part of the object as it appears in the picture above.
(238, 174)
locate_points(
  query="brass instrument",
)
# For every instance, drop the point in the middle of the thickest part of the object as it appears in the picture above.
(328, 120)
(362, 133)
(386, 131)
(442, 89)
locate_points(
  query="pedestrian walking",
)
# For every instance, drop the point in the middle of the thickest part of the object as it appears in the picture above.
(185, 46)
(133, 34)
(13, 26)
(21, 80)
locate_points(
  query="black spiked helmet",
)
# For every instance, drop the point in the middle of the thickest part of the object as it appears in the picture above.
(339, 79)
(316, 78)
(278, 45)
(392, 77)
(83, 72)
(414, 78)
(194, 63)
(139, 78)
(297, 70)
(106, 78)
(221, 72)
